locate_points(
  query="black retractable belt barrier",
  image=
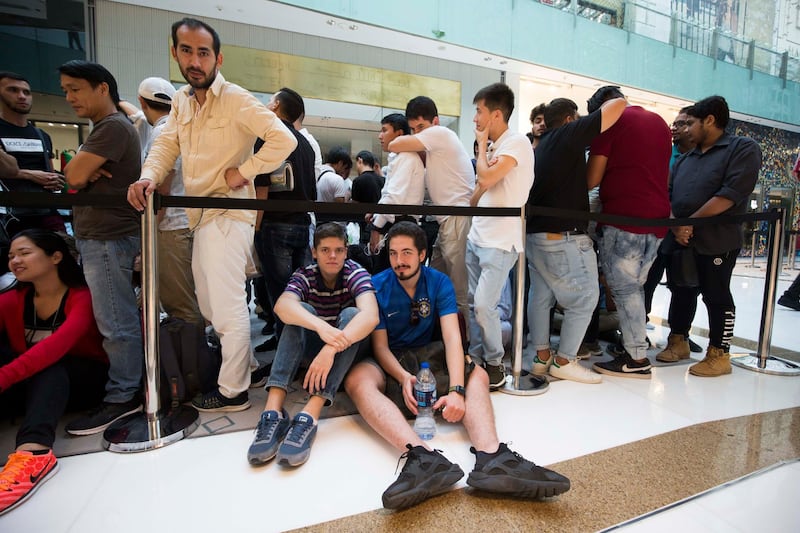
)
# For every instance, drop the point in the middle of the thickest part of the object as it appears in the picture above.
(157, 428)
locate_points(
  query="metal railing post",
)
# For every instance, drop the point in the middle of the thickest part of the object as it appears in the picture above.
(762, 361)
(522, 383)
(155, 427)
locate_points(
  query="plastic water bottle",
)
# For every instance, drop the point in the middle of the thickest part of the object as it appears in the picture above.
(425, 394)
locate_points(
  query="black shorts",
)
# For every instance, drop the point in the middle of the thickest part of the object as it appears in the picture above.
(410, 359)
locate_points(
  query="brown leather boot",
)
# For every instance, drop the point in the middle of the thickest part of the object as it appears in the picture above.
(677, 349)
(716, 363)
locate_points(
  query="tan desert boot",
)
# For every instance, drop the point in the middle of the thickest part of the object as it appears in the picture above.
(677, 349)
(716, 363)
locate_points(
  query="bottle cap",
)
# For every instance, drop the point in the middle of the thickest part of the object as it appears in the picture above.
(424, 364)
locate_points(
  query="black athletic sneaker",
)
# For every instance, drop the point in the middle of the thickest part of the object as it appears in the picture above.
(268, 329)
(693, 346)
(497, 376)
(507, 472)
(625, 366)
(616, 350)
(786, 300)
(214, 401)
(258, 377)
(426, 474)
(102, 416)
(268, 345)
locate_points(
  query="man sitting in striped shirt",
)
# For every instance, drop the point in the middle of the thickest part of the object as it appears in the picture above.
(328, 308)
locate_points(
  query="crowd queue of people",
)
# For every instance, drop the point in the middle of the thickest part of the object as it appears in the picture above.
(365, 315)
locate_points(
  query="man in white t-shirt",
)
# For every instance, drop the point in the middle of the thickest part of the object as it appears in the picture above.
(450, 180)
(494, 243)
(331, 185)
(404, 185)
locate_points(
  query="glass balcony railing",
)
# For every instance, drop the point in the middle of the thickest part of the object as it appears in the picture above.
(695, 25)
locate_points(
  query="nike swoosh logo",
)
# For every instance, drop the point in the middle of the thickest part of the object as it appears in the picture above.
(392, 314)
(626, 368)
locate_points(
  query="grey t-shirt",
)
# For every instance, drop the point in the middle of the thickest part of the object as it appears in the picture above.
(728, 169)
(114, 138)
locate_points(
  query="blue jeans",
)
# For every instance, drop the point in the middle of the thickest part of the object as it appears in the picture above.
(108, 267)
(563, 271)
(626, 259)
(298, 343)
(282, 248)
(487, 272)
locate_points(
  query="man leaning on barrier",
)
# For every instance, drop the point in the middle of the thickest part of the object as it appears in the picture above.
(715, 178)
(212, 126)
(107, 237)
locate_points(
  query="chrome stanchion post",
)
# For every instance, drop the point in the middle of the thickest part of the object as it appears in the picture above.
(753, 249)
(762, 361)
(522, 383)
(154, 428)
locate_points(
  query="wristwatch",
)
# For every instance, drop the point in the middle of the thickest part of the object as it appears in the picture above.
(458, 389)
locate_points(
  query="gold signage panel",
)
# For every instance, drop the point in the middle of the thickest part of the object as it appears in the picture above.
(266, 72)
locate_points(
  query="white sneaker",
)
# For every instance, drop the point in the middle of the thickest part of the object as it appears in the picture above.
(574, 371)
(540, 367)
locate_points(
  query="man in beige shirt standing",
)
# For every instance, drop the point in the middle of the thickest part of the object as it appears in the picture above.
(213, 126)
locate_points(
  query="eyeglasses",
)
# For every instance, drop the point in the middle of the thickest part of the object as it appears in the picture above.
(680, 124)
(414, 318)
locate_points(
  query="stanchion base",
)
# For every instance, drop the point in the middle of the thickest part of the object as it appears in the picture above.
(135, 433)
(525, 385)
(775, 365)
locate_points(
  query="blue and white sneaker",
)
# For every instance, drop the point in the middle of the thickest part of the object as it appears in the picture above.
(296, 447)
(270, 431)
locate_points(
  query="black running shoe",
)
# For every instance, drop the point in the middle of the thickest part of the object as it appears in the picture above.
(258, 377)
(99, 418)
(497, 376)
(693, 346)
(787, 301)
(507, 472)
(616, 350)
(626, 367)
(426, 474)
(268, 345)
(214, 401)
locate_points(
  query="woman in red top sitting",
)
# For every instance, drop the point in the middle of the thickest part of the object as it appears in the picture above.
(51, 354)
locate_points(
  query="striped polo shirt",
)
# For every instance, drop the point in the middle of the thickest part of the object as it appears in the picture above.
(308, 285)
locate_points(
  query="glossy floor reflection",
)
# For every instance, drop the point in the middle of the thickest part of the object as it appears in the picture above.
(720, 509)
(630, 446)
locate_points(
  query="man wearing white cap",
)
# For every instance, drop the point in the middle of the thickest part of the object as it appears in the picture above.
(175, 281)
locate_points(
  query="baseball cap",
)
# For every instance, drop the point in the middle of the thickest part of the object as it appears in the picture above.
(157, 89)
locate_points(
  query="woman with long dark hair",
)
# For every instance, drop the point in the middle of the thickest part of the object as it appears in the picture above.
(51, 355)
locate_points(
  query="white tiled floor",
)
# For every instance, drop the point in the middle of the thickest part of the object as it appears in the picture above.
(206, 484)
